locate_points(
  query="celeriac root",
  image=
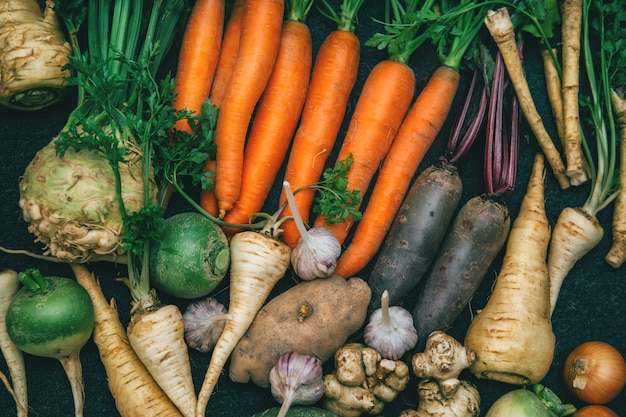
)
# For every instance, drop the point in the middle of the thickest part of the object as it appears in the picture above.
(500, 27)
(9, 285)
(33, 52)
(572, 16)
(512, 335)
(135, 392)
(575, 233)
(157, 337)
(617, 254)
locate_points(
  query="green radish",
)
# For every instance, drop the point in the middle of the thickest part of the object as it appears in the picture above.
(53, 317)
(190, 257)
(540, 402)
(9, 285)
(258, 261)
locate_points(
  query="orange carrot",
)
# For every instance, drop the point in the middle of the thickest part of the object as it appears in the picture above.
(228, 54)
(208, 200)
(332, 80)
(417, 133)
(197, 62)
(198, 58)
(260, 40)
(277, 116)
(383, 103)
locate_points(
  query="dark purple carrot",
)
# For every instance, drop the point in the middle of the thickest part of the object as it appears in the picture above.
(480, 228)
(423, 218)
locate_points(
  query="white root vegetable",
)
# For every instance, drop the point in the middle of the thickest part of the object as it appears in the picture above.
(157, 336)
(258, 262)
(571, 11)
(33, 52)
(9, 284)
(512, 335)
(617, 253)
(575, 233)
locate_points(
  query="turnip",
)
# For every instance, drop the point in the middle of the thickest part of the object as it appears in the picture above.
(33, 53)
(522, 402)
(53, 317)
(190, 256)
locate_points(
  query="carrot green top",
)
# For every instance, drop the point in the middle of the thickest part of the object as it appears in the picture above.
(450, 28)
(347, 18)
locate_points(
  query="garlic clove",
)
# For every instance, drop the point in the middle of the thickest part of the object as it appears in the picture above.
(316, 254)
(296, 379)
(390, 330)
(204, 321)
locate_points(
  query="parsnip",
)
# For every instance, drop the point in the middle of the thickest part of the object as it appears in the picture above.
(512, 335)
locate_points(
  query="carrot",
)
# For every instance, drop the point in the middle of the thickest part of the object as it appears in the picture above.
(135, 392)
(208, 200)
(227, 57)
(260, 39)
(617, 252)
(417, 133)
(571, 10)
(258, 262)
(228, 53)
(9, 284)
(333, 77)
(500, 27)
(425, 214)
(277, 116)
(512, 335)
(380, 109)
(197, 60)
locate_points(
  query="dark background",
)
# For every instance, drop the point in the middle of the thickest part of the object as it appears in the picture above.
(591, 305)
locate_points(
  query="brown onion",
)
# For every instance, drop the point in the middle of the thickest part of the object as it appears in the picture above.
(595, 411)
(595, 372)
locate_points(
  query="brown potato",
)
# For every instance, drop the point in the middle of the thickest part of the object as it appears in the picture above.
(312, 318)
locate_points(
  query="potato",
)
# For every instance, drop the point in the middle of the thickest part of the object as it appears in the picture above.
(312, 318)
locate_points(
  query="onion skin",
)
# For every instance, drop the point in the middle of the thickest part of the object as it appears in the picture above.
(595, 372)
(595, 410)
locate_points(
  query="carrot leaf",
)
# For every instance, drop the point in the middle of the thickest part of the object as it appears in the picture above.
(334, 201)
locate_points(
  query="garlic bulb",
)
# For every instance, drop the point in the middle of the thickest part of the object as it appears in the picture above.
(204, 321)
(296, 379)
(390, 330)
(317, 251)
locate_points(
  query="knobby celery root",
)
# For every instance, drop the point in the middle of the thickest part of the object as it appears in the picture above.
(135, 392)
(512, 336)
(617, 253)
(571, 11)
(501, 28)
(33, 52)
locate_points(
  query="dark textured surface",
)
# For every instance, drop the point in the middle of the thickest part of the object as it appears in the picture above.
(591, 307)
